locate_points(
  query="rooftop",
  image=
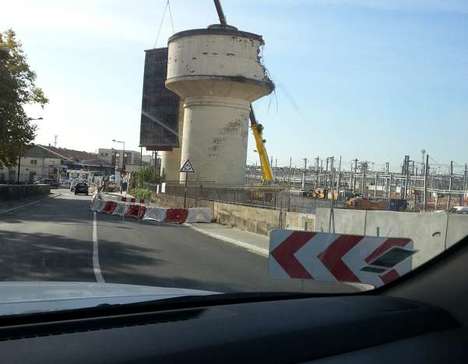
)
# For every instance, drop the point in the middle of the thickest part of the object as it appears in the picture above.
(42, 151)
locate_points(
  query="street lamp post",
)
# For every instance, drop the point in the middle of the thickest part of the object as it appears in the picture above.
(18, 172)
(123, 152)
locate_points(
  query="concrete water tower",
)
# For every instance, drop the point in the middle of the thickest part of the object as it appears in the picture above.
(217, 73)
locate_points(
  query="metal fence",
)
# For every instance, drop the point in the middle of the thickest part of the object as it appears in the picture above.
(271, 197)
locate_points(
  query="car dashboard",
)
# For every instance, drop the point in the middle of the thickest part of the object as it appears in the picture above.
(315, 329)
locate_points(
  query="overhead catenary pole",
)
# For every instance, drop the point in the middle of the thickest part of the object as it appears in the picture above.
(304, 175)
(317, 171)
(406, 166)
(331, 222)
(364, 177)
(426, 174)
(289, 184)
(423, 168)
(326, 173)
(390, 183)
(354, 175)
(449, 199)
(465, 183)
(376, 180)
(462, 195)
(339, 176)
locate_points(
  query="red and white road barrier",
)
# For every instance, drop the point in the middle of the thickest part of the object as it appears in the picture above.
(155, 214)
(109, 207)
(135, 211)
(177, 216)
(120, 209)
(339, 258)
(132, 209)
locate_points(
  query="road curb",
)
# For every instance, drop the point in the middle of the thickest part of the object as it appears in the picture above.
(252, 248)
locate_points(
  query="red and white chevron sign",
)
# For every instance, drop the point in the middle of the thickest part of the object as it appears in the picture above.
(337, 257)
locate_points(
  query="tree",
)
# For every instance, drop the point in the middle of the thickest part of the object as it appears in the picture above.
(17, 88)
(145, 174)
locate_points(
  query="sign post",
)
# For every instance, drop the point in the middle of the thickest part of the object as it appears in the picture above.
(186, 168)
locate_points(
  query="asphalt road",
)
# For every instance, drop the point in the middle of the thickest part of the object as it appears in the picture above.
(53, 240)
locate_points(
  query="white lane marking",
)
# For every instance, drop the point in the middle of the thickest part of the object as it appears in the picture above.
(250, 247)
(28, 204)
(21, 206)
(96, 266)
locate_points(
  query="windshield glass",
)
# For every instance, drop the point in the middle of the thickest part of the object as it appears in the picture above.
(254, 146)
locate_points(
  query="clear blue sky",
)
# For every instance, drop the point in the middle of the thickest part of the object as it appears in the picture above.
(359, 78)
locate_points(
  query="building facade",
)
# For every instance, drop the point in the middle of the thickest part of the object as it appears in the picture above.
(36, 163)
(40, 162)
(114, 157)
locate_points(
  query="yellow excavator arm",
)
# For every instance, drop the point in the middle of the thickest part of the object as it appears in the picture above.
(264, 161)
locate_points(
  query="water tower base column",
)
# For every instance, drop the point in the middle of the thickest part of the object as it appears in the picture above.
(170, 165)
(215, 139)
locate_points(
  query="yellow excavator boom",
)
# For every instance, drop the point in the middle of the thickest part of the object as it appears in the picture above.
(264, 161)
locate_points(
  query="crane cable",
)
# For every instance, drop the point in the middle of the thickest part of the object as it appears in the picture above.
(170, 16)
(166, 8)
(160, 26)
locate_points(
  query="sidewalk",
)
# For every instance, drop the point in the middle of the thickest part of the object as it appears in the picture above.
(255, 243)
(117, 195)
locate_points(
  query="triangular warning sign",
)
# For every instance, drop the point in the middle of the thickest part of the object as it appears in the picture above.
(187, 167)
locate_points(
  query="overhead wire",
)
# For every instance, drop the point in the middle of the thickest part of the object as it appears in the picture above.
(170, 16)
(161, 24)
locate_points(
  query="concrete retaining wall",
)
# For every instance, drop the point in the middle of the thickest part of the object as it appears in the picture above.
(457, 228)
(431, 232)
(345, 222)
(299, 221)
(18, 192)
(427, 230)
(254, 219)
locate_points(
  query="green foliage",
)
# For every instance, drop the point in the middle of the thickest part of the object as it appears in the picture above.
(142, 193)
(145, 174)
(17, 88)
